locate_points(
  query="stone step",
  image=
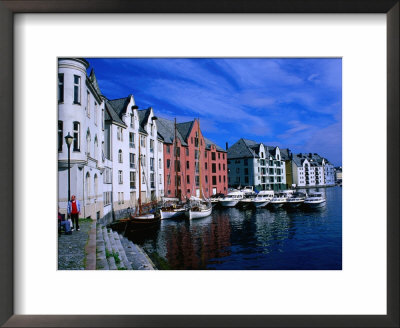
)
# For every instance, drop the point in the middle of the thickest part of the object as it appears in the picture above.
(108, 249)
(121, 251)
(101, 259)
(137, 257)
(115, 251)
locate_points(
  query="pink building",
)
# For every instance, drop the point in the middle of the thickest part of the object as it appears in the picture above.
(195, 156)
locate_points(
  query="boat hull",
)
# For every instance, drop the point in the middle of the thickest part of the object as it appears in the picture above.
(199, 214)
(276, 205)
(260, 204)
(314, 204)
(172, 214)
(228, 203)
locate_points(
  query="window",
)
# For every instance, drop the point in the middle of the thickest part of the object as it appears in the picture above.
(87, 186)
(96, 145)
(177, 166)
(60, 135)
(205, 154)
(246, 162)
(223, 167)
(77, 137)
(143, 160)
(224, 178)
(107, 198)
(88, 105)
(246, 171)
(131, 160)
(246, 179)
(168, 180)
(102, 119)
(223, 156)
(77, 89)
(133, 121)
(178, 151)
(219, 178)
(214, 180)
(151, 163)
(151, 129)
(131, 140)
(196, 140)
(187, 179)
(206, 177)
(120, 156)
(237, 161)
(213, 156)
(197, 180)
(187, 151)
(168, 149)
(151, 146)
(96, 186)
(205, 165)
(160, 178)
(187, 164)
(196, 164)
(219, 166)
(95, 113)
(152, 184)
(168, 163)
(196, 154)
(191, 140)
(88, 138)
(159, 163)
(214, 168)
(143, 141)
(60, 88)
(143, 178)
(237, 170)
(219, 155)
(120, 180)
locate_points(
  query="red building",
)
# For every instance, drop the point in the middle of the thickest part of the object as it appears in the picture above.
(188, 155)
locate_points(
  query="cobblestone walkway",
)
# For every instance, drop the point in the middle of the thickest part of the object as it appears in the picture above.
(71, 248)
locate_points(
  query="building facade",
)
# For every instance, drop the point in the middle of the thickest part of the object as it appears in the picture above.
(107, 134)
(255, 164)
(193, 164)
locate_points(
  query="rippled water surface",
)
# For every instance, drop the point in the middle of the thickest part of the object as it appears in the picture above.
(253, 239)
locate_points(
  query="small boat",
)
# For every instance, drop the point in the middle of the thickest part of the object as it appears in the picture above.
(198, 208)
(172, 209)
(214, 199)
(262, 198)
(315, 199)
(231, 199)
(296, 200)
(280, 198)
(248, 195)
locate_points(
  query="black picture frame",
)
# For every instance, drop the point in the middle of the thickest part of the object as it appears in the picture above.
(10, 7)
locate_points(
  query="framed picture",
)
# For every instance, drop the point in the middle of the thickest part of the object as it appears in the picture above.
(14, 229)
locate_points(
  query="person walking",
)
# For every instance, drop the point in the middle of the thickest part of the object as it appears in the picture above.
(74, 208)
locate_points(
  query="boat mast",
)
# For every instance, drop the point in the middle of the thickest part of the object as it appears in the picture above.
(140, 176)
(175, 163)
(199, 163)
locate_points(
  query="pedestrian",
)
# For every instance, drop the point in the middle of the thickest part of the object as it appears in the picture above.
(74, 208)
(63, 223)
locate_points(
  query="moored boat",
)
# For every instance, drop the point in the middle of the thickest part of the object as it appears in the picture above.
(262, 198)
(198, 208)
(315, 199)
(280, 198)
(172, 209)
(296, 200)
(231, 199)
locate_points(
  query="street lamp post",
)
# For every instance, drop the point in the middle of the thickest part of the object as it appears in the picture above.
(68, 140)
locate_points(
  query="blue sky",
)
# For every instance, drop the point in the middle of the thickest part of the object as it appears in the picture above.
(290, 103)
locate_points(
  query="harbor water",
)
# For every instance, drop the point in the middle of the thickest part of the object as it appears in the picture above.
(251, 239)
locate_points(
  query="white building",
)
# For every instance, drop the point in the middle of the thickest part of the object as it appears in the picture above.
(310, 169)
(80, 114)
(105, 148)
(255, 164)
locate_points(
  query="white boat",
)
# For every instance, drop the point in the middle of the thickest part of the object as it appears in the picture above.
(198, 208)
(231, 199)
(296, 200)
(171, 209)
(262, 198)
(315, 199)
(280, 198)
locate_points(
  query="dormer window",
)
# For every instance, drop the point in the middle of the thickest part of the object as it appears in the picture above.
(132, 121)
(151, 129)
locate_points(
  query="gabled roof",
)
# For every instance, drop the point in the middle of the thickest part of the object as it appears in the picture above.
(185, 129)
(242, 149)
(143, 119)
(120, 105)
(209, 143)
(111, 115)
(93, 80)
(166, 129)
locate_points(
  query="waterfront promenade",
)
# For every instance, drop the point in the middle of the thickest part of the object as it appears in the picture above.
(95, 247)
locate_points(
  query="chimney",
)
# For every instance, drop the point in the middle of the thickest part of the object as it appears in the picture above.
(226, 145)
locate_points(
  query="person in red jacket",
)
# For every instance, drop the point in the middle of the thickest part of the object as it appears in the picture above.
(74, 208)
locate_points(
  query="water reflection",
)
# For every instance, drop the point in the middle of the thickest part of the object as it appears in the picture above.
(251, 239)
